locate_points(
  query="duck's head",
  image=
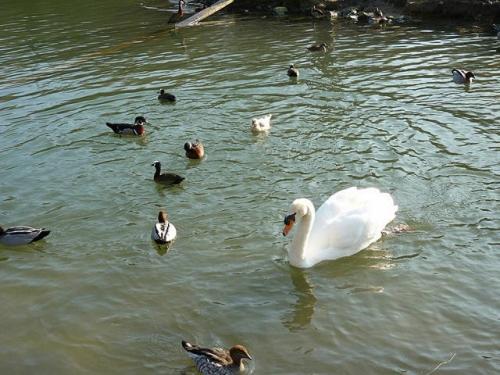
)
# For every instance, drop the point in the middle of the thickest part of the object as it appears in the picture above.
(239, 352)
(469, 76)
(140, 120)
(162, 217)
(162, 92)
(324, 45)
(156, 164)
(187, 146)
(292, 66)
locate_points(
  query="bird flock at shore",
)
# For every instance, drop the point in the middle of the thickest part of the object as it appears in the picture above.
(346, 223)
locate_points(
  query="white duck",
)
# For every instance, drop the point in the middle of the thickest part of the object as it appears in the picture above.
(163, 232)
(346, 223)
(21, 235)
(261, 124)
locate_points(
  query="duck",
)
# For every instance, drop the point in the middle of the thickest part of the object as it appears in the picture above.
(317, 12)
(262, 124)
(165, 178)
(130, 129)
(318, 47)
(194, 150)
(292, 71)
(217, 361)
(176, 17)
(22, 235)
(346, 223)
(165, 96)
(462, 76)
(163, 231)
(496, 29)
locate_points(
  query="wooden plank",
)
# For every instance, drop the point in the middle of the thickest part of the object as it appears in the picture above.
(201, 15)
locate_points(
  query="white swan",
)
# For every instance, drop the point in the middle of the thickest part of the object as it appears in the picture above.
(261, 124)
(346, 223)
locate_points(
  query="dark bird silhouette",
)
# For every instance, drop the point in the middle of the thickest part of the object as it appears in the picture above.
(165, 178)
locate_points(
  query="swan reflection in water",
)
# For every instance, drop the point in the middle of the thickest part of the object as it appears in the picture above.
(300, 315)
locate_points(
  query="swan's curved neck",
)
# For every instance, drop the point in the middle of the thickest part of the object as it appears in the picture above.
(298, 248)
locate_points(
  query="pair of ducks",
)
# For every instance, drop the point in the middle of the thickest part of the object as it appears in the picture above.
(293, 71)
(194, 150)
(137, 128)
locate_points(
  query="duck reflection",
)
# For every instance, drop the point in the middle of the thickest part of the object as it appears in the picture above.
(163, 249)
(303, 310)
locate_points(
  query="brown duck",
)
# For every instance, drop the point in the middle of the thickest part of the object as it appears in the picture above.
(179, 16)
(194, 150)
(318, 47)
(217, 361)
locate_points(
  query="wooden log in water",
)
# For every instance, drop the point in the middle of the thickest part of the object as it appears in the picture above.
(195, 18)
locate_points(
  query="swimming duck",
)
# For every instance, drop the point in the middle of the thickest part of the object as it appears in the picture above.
(496, 29)
(317, 12)
(163, 232)
(318, 47)
(194, 150)
(261, 124)
(176, 17)
(217, 361)
(346, 223)
(292, 71)
(21, 235)
(165, 178)
(129, 129)
(462, 76)
(165, 96)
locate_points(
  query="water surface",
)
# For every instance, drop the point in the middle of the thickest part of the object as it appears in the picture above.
(379, 109)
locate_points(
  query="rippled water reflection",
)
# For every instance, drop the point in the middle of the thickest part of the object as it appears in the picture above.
(378, 109)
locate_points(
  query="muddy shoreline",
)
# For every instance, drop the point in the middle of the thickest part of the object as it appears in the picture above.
(481, 11)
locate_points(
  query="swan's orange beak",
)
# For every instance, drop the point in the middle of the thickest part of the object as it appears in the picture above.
(287, 228)
(289, 221)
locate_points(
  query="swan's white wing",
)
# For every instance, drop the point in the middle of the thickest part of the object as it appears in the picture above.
(349, 221)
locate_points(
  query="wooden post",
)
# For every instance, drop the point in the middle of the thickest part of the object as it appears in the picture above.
(197, 17)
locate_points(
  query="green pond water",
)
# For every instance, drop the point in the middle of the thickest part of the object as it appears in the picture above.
(378, 109)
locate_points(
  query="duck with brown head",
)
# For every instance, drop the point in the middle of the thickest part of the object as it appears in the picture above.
(318, 47)
(163, 231)
(218, 361)
(176, 17)
(165, 178)
(194, 150)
